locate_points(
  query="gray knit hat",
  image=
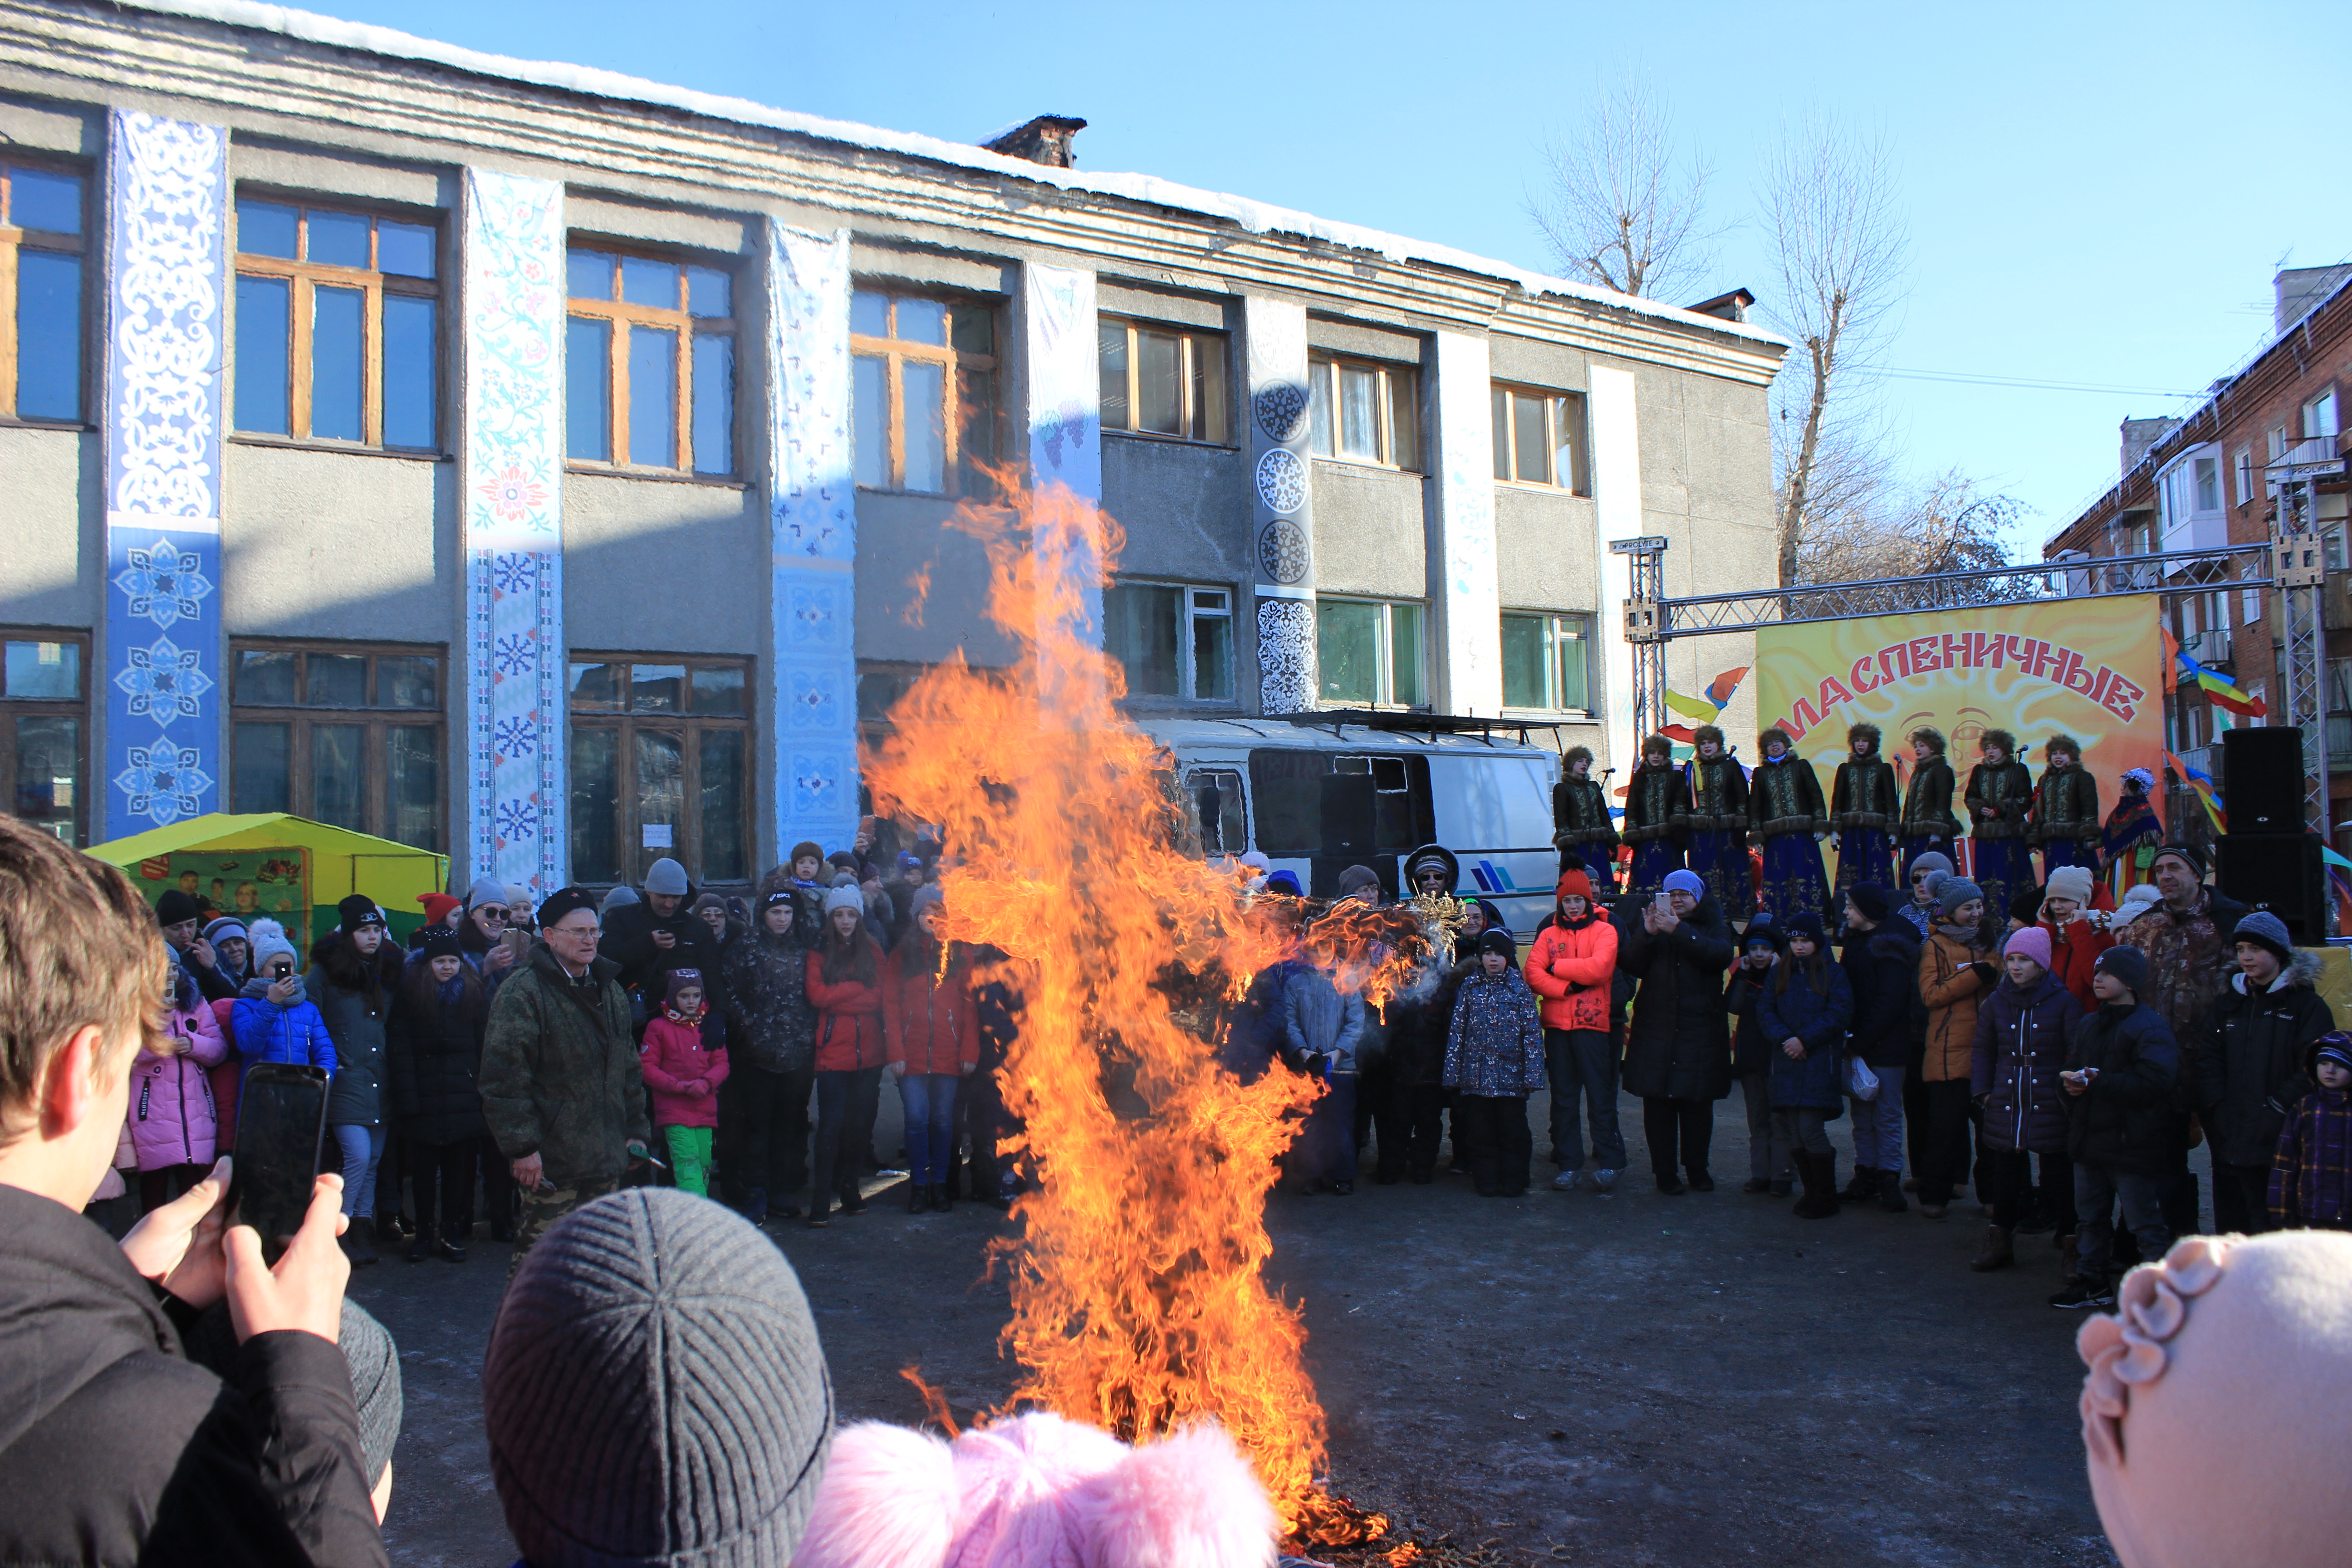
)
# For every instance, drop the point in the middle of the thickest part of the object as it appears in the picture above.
(653, 1391)
(925, 897)
(845, 896)
(1954, 891)
(485, 890)
(2267, 930)
(1931, 861)
(668, 877)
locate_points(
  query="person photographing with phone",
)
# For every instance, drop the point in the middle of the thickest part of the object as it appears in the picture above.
(2122, 1130)
(115, 1446)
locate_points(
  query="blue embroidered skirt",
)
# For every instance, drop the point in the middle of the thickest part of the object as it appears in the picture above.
(1721, 860)
(1793, 883)
(1864, 855)
(1652, 858)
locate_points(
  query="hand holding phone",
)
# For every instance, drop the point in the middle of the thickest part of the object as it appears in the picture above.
(178, 1246)
(303, 1290)
(281, 1123)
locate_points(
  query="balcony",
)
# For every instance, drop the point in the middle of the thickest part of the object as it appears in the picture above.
(2214, 650)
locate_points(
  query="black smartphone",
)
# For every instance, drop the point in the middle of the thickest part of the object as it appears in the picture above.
(281, 1122)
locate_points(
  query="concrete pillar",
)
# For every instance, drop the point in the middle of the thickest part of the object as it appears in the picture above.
(163, 420)
(510, 452)
(1617, 504)
(1282, 552)
(1467, 633)
(1061, 383)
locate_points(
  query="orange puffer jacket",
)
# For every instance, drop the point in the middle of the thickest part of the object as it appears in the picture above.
(1570, 970)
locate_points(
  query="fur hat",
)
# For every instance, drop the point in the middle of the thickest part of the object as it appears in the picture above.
(1706, 732)
(1036, 1489)
(2031, 941)
(1855, 732)
(2069, 882)
(564, 901)
(1764, 741)
(2000, 741)
(1568, 763)
(806, 849)
(1930, 737)
(2060, 740)
(2140, 776)
(1657, 743)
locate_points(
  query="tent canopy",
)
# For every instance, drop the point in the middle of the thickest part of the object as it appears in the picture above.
(341, 862)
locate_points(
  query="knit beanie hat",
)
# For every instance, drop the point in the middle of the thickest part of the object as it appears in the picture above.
(175, 908)
(210, 1342)
(845, 897)
(2267, 930)
(2025, 904)
(1805, 923)
(679, 979)
(924, 898)
(1933, 861)
(561, 902)
(2069, 882)
(485, 891)
(1761, 932)
(1359, 879)
(1686, 883)
(1284, 881)
(225, 929)
(2126, 963)
(1954, 891)
(437, 907)
(666, 878)
(806, 849)
(2209, 1398)
(1496, 938)
(2187, 852)
(2031, 941)
(439, 942)
(2332, 1048)
(355, 912)
(270, 942)
(2138, 901)
(653, 1391)
(1870, 899)
(619, 897)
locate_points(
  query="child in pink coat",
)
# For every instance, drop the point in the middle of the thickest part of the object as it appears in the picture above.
(172, 1123)
(683, 1072)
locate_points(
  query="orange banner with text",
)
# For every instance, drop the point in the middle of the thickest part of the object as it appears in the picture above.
(2093, 669)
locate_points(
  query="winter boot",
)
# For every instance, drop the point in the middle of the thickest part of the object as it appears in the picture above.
(419, 1250)
(756, 1210)
(1999, 1252)
(942, 1197)
(1890, 1192)
(1862, 1188)
(358, 1243)
(818, 1216)
(852, 1200)
(919, 1198)
(1819, 1173)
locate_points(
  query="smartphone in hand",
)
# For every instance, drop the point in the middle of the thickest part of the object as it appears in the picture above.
(281, 1123)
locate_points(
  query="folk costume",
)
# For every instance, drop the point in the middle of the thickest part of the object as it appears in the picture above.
(1999, 793)
(1928, 826)
(2064, 821)
(1866, 802)
(1716, 792)
(1655, 820)
(2128, 848)
(1785, 812)
(1583, 830)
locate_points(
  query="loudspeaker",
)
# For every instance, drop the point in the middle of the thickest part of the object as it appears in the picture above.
(2262, 779)
(2280, 872)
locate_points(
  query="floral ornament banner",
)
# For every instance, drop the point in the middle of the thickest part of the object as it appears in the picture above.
(1469, 619)
(1282, 521)
(163, 424)
(1061, 349)
(812, 541)
(512, 449)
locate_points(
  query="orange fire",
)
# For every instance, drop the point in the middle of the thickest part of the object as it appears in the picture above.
(1138, 1296)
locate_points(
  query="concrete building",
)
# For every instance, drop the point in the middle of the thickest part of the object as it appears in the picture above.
(2199, 481)
(543, 466)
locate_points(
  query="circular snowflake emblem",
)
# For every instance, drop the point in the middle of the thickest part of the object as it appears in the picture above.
(1281, 410)
(1281, 481)
(1282, 552)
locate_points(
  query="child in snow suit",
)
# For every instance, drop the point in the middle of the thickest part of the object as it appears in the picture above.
(1494, 1060)
(684, 1066)
(2311, 1181)
(172, 1124)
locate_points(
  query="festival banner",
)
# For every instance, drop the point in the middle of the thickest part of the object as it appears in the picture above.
(2093, 669)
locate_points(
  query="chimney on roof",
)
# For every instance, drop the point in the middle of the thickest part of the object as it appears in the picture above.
(2139, 435)
(1731, 307)
(1044, 140)
(2303, 289)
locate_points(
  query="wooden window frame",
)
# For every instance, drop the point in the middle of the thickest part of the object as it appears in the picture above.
(75, 708)
(1577, 484)
(894, 351)
(1324, 368)
(12, 240)
(303, 278)
(682, 324)
(375, 720)
(1197, 344)
(624, 721)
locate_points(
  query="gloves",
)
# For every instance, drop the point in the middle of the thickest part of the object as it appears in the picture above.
(1986, 974)
(1318, 1064)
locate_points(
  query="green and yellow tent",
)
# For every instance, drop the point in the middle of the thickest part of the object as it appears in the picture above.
(288, 867)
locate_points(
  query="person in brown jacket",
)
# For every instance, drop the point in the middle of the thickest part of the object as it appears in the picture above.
(1956, 971)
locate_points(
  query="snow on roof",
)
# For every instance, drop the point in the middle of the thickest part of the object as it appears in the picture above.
(1252, 217)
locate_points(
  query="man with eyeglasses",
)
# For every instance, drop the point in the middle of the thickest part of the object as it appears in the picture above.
(561, 1088)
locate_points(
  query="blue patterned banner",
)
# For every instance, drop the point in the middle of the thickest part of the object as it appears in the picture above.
(1282, 503)
(812, 541)
(512, 489)
(167, 268)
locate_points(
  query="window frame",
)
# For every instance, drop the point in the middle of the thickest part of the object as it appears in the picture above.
(1563, 411)
(75, 708)
(1191, 350)
(1553, 635)
(14, 240)
(1384, 654)
(2326, 398)
(617, 313)
(1323, 367)
(303, 278)
(374, 719)
(1190, 611)
(894, 351)
(624, 721)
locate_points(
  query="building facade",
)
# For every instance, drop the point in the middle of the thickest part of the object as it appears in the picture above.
(554, 469)
(2201, 481)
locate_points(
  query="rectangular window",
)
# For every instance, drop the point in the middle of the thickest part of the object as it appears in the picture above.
(1162, 381)
(1548, 663)
(347, 733)
(1370, 653)
(648, 362)
(1539, 438)
(2209, 484)
(2319, 415)
(661, 759)
(1365, 411)
(44, 718)
(1222, 808)
(1172, 641)
(1369, 803)
(923, 373)
(337, 333)
(2245, 475)
(41, 247)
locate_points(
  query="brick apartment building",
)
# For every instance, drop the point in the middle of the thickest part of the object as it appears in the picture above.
(2199, 482)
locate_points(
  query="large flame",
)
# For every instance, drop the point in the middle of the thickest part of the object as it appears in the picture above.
(1138, 1289)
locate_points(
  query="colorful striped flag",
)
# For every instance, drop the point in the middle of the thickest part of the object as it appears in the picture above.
(2224, 692)
(1707, 708)
(2202, 782)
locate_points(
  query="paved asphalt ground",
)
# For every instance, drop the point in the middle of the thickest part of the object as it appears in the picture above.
(1623, 1380)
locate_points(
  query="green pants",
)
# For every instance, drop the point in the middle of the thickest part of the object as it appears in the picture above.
(689, 1158)
(543, 1208)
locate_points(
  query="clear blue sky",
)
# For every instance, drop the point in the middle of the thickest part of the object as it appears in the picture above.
(2095, 192)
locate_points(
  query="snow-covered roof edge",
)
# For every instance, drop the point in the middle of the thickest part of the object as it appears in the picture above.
(1252, 217)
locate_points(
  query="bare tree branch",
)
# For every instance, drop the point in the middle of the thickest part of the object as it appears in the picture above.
(1616, 211)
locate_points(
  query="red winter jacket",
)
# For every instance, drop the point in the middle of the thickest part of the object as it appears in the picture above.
(848, 1020)
(928, 1019)
(2075, 955)
(1572, 970)
(673, 1057)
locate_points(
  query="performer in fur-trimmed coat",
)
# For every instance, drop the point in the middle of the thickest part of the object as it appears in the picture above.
(2128, 848)
(1583, 830)
(1929, 825)
(1785, 810)
(2000, 790)
(1864, 805)
(1714, 792)
(1655, 820)
(2064, 821)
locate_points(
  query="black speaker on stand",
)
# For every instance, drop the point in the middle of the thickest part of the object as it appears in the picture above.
(2268, 857)
(2262, 779)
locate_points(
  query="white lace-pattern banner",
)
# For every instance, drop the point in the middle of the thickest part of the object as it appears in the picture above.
(1281, 501)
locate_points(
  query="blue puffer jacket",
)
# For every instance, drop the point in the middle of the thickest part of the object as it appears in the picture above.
(267, 1033)
(2020, 1048)
(1818, 1019)
(1494, 1045)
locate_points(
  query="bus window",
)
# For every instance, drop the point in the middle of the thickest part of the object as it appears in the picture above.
(1290, 799)
(1224, 823)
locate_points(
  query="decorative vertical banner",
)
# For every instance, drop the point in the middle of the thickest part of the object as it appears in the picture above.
(812, 541)
(1617, 505)
(1063, 373)
(512, 446)
(167, 269)
(1281, 513)
(1469, 619)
